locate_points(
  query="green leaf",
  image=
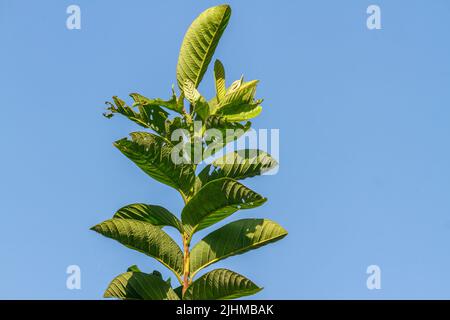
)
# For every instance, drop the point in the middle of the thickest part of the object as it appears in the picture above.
(145, 238)
(242, 164)
(243, 112)
(239, 104)
(226, 128)
(179, 291)
(133, 268)
(153, 155)
(234, 238)
(199, 44)
(217, 200)
(159, 275)
(235, 85)
(172, 104)
(147, 116)
(201, 106)
(140, 286)
(219, 132)
(220, 284)
(219, 77)
(240, 92)
(156, 215)
(175, 124)
(237, 165)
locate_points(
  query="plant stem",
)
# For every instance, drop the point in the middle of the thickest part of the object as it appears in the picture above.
(186, 271)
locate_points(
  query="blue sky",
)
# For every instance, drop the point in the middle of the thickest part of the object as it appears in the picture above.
(364, 131)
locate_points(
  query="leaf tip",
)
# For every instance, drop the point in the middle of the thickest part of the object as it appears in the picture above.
(226, 7)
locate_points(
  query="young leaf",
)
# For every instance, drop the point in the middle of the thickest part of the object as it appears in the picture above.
(199, 44)
(240, 112)
(217, 200)
(240, 92)
(171, 104)
(156, 215)
(201, 106)
(235, 85)
(234, 238)
(153, 155)
(140, 286)
(219, 77)
(220, 284)
(238, 103)
(145, 238)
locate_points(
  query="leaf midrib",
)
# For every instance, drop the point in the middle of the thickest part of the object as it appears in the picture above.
(197, 80)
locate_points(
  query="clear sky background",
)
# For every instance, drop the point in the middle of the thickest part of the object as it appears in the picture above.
(364, 119)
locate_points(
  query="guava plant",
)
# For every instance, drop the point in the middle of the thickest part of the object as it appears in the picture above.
(210, 192)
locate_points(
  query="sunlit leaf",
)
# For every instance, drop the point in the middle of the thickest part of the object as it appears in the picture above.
(156, 215)
(219, 77)
(217, 200)
(241, 164)
(234, 238)
(145, 238)
(199, 44)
